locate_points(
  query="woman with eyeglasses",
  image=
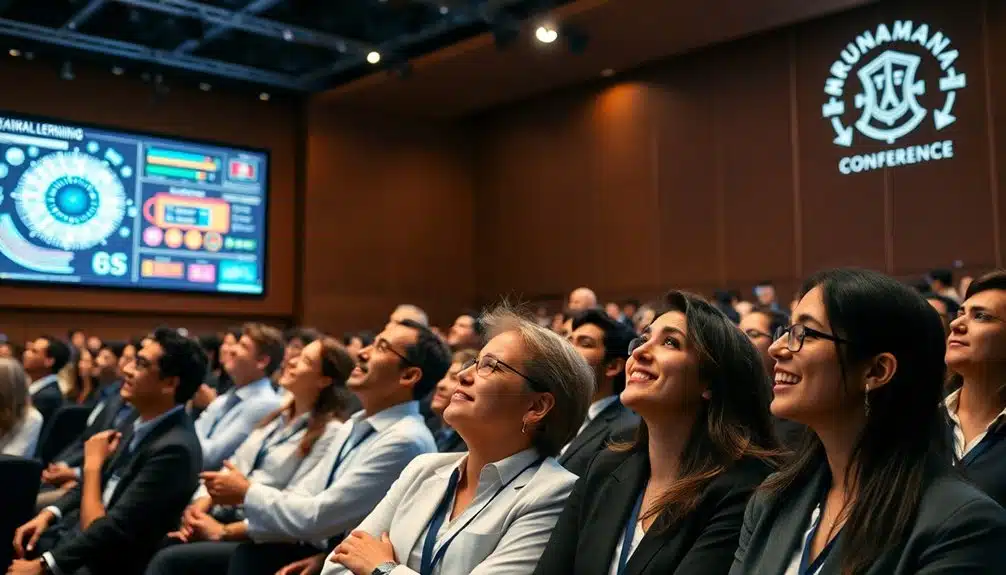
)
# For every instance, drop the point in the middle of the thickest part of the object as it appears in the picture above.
(871, 492)
(490, 511)
(976, 408)
(287, 444)
(673, 501)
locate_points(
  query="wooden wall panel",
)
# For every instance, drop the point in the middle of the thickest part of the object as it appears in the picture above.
(97, 97)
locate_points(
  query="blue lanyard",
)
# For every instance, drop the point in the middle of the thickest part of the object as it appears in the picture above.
(991, 438)
(343, 453)
(806, 566)
(266, 446)
(430, 560)
(630, 533)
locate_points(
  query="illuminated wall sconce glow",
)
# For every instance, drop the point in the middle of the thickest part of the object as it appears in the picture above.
(264, 96)
(14, 52)
(374, 57)
(546, 35)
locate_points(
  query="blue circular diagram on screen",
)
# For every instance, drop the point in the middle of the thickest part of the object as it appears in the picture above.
(70, 200)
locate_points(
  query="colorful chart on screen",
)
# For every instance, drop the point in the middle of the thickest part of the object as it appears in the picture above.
(97, 207)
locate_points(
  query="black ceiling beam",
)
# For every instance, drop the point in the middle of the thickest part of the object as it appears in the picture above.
(84, 14)
(254, 7)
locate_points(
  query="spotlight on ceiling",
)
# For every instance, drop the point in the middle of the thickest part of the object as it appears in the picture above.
(14, 52)
(118, 71)
(374, 57)
(66, 72)
(205, 87)
(264, 96)
(546, 34)
(288, 35)
(444, 9)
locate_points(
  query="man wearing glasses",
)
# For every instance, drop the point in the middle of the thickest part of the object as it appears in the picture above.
(761, 326)
(368, 453)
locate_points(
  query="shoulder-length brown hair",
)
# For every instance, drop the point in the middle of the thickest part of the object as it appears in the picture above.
(13, 394)
(334, 400)
(734, 423)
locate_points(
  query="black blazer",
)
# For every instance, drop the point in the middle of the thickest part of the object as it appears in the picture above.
(593, 522)
(615, 423)
(988, 470)
(48, 399)
(73, 454)
(451, 443)
(156, 483)
(958, 531)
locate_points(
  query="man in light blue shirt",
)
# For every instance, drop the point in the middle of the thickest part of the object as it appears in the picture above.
(232, 416)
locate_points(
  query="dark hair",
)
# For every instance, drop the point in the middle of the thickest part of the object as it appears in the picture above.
(921, 285)
(631, 301)
(365, 337)
(58, 351)
(430, 354)
(944, 276)
(617, 337)
(115, 347)
(333, 401)
(306, 335)
(994, 280)
(777, 318)
(948, 302)
(734, 423)
(478, 326)
(904, 437)
(210, 343)
(181, 357)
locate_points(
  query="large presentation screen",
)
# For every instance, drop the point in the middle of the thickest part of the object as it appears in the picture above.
(98, 207)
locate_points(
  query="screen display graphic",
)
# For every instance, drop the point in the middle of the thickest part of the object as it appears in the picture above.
(104, 208)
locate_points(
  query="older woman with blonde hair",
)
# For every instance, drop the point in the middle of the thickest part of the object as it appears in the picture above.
(489, 511)
(20, 423)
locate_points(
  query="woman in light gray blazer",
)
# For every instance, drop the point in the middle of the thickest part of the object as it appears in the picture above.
(489, 511)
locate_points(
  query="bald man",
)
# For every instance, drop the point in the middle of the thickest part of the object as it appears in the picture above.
(581, 299)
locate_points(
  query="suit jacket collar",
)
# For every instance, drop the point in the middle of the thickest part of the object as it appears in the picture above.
(790, 518)
(123, 456)
(41, 383)
(597, 426)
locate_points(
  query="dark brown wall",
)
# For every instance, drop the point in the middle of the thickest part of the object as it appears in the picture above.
(98, 97)
(387, 220)
(717, 169)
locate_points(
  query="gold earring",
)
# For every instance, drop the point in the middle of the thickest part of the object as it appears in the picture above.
(523, 428)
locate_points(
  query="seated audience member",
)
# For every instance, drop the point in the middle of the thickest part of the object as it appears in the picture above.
(976, 409)
(466, 333)
(8, 348)
(94, 344)
(644, 317)
(941, 282)
(217, 381)
(285, 447)
(367, 454)
(566, 326)
(44, 357)
(135, 485)
(945, 307)
(581, 298)
(85, 388)
(489, 511)
(109, 412)
(447, 438)
(231, 417)
(673, 501)
(760, 325)
(727, 302)
(873, 491)
(296, 339)
(20, 423)
(604, 344)
(355, 342)
(409, 312)
(77, 338)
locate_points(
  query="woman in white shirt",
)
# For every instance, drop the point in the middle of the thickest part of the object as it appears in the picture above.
(20, 423)
(490, 511)
(286, 445)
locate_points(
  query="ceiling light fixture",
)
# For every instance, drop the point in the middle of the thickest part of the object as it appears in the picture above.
(118, 71)
(264, 96)
(444, 9)
(546, 34)
(14, 52)
(288, 35)
(205, 87)
(374, 57)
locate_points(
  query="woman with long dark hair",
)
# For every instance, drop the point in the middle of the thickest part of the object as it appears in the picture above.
(286, 445)
(871, 491)
(673, 501)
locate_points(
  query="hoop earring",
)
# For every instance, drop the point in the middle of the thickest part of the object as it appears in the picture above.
(523, 428)
(866, 402)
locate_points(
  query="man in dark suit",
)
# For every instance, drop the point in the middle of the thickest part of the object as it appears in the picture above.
(134, 485)
(42, 360)
(604, 343)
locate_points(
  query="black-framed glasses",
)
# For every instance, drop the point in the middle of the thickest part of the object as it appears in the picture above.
(383, 345)
(486, 365)
(799, 332)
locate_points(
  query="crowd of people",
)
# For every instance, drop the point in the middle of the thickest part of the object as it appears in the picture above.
(855, 432)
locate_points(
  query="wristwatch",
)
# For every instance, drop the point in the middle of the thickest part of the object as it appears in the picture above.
(385, 568)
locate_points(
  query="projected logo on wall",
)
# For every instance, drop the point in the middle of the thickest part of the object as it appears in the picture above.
(888, 65)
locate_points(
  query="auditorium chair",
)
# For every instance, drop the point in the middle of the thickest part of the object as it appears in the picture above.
(66, 425)
(20, 480)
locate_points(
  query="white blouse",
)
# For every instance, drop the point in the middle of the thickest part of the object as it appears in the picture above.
(637, 536)
(22, 439)
(277, 446)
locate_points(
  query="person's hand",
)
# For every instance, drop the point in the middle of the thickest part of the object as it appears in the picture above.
(310, 566)
(361, 553)
(206, 528)
(27, 535)
(99, 447)
(57, 474)
(226, 487)
(184, 534)
(23, 567)
(203, 396)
